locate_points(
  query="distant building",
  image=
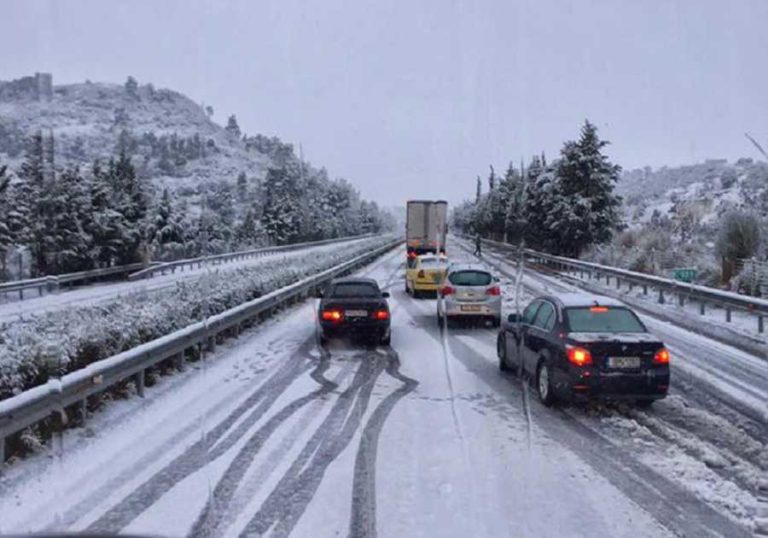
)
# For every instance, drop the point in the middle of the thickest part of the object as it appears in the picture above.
(38, 87)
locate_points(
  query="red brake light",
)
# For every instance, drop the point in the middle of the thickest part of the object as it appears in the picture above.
(599, 309)
(495, 290)
(332, 315)
(661, 357)
(578, 355)
(447, 290)
(411, 254)
(381, 315)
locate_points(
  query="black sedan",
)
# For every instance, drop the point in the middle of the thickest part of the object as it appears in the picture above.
(354, 307)
(579, 346)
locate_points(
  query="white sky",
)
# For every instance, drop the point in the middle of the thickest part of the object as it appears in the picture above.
(410, 98)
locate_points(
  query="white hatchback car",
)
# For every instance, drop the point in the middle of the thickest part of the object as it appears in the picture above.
(469, 291)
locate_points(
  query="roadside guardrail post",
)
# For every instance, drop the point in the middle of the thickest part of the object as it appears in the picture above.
(728, 314)
(631, 285)
(702, 307)
(760, 324)
(618, 283)
(680, 299)
(83, 410)
(179, 362)
(645, 289)
(2, 448)
(661, 296)
(138, 379)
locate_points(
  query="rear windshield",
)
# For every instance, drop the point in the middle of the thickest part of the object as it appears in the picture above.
(470, 278)
(610, 320)
(355, 289)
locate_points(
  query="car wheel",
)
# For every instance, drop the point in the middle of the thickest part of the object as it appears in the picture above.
(323, 340)
(501, 352)
(496, 322)
(386, 339)
(544, 384)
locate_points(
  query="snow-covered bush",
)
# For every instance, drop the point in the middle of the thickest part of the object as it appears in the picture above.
(63, 341)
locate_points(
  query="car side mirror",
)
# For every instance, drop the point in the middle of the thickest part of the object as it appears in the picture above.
(319, 294)
(385, 295)
(512, 318)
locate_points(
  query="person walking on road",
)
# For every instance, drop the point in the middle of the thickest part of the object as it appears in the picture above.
(478, 247)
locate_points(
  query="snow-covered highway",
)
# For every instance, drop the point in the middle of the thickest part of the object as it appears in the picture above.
(272, 436)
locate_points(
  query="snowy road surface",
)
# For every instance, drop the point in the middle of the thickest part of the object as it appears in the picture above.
(270, 436)
(11, 309)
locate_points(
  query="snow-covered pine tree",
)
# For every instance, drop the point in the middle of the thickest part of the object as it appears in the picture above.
(232, 128)
(586, 210)
(281, 217)
(33, 204)
(70, 213)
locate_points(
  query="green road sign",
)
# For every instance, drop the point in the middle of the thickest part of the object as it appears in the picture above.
(684, 274)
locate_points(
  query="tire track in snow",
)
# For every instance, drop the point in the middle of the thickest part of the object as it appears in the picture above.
(363, 512)
(203, 451)
(218, 506)
(289, 500)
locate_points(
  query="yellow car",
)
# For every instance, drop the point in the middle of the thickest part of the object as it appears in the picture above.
(424, 274)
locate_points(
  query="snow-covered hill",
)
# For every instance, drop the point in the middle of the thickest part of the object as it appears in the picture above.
(172, 138)
(700, 192)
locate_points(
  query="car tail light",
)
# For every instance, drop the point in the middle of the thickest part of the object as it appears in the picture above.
(411, 254)
(599, 309)
(421, 274)
(661, 356)
(447, 290)
(332, 315)
(494, 290)
(578, 355)
(381, 315)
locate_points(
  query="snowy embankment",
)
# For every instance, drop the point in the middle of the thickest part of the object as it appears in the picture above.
(33, 349)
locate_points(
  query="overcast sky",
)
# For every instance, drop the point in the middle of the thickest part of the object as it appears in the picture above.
(410, 98)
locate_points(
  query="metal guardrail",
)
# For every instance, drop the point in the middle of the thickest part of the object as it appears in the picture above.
(53, 282)
(233, 256)
(41, 402)
(703, 295)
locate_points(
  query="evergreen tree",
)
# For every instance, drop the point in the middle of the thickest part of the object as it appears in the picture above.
(132, 88)
(242, 187)
(69, 243)
(106, 226)
(6, 236)
(34, 204)
(479, 192)
(166, 234)
(586, 210)
(232, 128)
(281, 217)
(247, 234)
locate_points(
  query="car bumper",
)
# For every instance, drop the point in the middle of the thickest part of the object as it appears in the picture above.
(468, 309)
(425, 286)
(647, 385)
(367, 328)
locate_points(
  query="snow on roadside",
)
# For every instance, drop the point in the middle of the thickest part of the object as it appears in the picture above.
(66, 340)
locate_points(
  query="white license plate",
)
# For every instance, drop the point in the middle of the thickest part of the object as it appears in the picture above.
(356, 313)
(470, 308)
(624, 362)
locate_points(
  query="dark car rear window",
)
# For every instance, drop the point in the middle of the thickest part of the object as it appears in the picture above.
(603, 320)
(355, 289)
(470, 278)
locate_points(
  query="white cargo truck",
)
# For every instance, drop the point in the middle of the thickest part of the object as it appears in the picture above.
(426, 226)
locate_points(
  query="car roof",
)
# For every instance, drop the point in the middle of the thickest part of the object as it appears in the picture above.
(355, 280)
(577, 299)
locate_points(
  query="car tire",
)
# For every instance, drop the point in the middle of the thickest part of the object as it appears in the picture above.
(544, 384)
(496, 322)
(322, 340)
(501, 352)
(386, 339)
